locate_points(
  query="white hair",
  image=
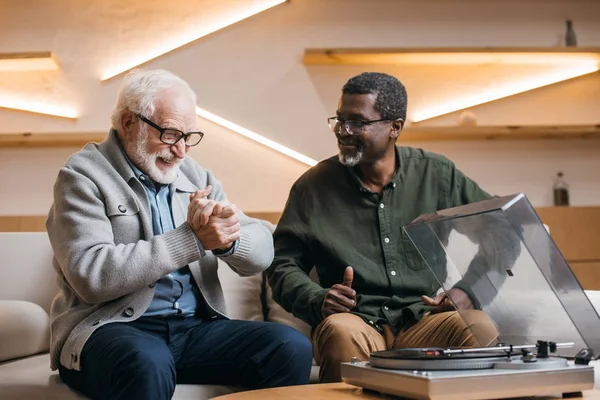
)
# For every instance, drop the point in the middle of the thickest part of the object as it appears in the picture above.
(140, 89)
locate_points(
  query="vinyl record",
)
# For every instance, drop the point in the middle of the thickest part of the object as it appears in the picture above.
(430, 359)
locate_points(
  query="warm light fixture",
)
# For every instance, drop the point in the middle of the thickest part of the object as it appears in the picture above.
(40, 61)
(255, 136)
(38, 108)
(506, 90)
(442, 56)
(204, 29)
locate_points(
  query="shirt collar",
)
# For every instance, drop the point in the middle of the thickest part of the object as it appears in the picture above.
(396, 178)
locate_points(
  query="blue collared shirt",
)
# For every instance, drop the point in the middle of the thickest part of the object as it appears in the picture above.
(175, 293)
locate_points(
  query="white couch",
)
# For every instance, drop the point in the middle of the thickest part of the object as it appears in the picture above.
(27, 287)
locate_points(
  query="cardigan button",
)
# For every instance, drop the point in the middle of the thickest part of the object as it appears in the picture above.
(128, 312)
(122, 208)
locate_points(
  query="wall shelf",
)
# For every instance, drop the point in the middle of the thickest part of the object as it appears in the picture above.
(417, 133)
(32, 61)
(414, 133)
(450, 55)
(33, 140)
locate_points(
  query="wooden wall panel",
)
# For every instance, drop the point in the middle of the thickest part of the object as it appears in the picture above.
(37, 223)
(576, 230)
(23, 223)
(587, 273)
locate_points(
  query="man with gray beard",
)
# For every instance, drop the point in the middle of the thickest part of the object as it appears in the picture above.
(136, 228)
(344, 217)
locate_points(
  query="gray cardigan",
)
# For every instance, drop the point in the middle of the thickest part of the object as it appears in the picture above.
(106, 257)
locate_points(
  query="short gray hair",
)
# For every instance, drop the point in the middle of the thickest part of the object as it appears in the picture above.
(140, 89)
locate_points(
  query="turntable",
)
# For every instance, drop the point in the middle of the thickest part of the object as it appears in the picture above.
(548, 330)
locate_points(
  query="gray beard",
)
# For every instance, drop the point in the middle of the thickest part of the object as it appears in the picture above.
(147, 162)
(350, 160)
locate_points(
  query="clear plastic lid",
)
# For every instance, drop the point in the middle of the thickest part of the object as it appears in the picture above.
(499, 251)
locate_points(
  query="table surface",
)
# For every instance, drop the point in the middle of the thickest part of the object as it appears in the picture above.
(338, 391)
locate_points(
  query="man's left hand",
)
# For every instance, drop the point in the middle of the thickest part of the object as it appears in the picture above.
(443, 302)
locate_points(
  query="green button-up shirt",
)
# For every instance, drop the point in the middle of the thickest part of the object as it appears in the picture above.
(332, 221)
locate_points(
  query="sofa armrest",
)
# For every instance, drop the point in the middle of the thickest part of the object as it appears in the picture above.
(24, 329)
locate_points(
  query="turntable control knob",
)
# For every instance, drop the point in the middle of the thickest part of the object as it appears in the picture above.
(354, 360)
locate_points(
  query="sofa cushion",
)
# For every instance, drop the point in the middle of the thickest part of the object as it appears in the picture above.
(31, 378)
(27, 254)
(242, 294)
(276, 313)
(24, 329)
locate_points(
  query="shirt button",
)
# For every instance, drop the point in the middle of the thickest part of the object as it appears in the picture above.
(386, 308)
(122, 208)
(381, 205)
(386, 240)
(393, 273)
(394, 184)
(176, 305)
(371, 322)
(170, 276)
(142, 178)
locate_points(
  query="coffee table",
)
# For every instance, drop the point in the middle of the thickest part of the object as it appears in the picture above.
(336, 391)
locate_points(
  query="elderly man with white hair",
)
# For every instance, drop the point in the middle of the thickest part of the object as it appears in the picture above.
(136, 229)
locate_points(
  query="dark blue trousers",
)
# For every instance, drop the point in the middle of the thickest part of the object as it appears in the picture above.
(144, 359)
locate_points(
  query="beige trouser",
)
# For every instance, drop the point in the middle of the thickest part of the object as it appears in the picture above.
(342, 336)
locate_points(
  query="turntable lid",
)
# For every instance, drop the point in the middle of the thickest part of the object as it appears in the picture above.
(500, 253)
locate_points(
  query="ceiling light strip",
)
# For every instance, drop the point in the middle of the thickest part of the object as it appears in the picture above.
(486, 96)
(203, 30)
(255, 136)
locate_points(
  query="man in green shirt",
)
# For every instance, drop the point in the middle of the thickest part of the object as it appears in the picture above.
(345, 217)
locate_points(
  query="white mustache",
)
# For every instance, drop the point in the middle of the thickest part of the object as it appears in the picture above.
(169, 157)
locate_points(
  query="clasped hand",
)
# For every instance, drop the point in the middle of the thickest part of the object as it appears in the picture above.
(215, 223)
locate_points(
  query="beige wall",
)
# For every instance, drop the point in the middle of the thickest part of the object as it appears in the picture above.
(251, 73)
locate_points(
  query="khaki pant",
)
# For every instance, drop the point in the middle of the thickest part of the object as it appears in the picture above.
(342, 336)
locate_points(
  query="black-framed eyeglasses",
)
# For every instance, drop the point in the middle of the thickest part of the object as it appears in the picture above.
(352, 126)
(172, 136)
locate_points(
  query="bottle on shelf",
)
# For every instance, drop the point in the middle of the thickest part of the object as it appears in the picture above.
(561, 190)
(570, 37)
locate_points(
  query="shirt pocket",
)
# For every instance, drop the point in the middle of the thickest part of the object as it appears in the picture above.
(413, 257)
(124, 216)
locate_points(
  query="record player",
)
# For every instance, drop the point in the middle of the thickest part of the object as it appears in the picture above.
(548, 330)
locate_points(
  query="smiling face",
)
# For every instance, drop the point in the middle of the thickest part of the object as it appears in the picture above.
(160, 161)
(374, 140)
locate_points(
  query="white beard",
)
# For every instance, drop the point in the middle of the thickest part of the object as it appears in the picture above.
(147, 162)
(350, 160)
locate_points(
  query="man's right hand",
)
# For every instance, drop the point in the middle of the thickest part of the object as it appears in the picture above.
(340, 298)
(216, 224)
